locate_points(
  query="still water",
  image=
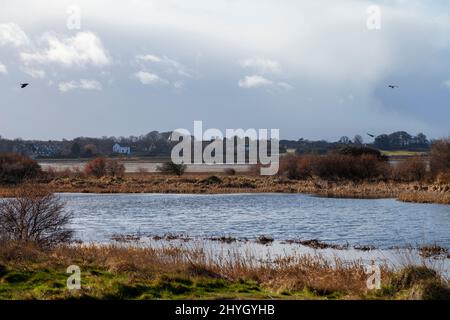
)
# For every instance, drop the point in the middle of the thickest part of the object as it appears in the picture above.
(382, 223)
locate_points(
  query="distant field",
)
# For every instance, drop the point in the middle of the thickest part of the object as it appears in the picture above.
(402, 153)
(138, 165)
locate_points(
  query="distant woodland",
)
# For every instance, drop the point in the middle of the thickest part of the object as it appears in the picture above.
(155, 144)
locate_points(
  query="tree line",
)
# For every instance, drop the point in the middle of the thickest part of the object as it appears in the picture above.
(159, 144)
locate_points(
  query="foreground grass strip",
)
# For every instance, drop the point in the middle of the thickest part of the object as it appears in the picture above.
(131, 273)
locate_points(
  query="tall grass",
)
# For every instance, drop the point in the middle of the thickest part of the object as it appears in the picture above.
(288, 275)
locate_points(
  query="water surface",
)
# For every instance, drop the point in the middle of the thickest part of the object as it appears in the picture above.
(382, 223)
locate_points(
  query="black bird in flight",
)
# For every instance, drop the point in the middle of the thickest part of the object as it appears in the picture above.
(393, 86)
(371, 135)
(24, 85)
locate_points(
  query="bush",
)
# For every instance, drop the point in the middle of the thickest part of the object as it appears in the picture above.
(413, 275)
(96, 167)
(435, 290)
(114, 168)
(289, 168)
(440, 157)
(15, 168)
(172, 168)
(443, 177)
(34, 216)
(230, 171)
(357, 151)
(212, 180)
(412, 169)
(297, 167)
(334, 166)
(100, 167)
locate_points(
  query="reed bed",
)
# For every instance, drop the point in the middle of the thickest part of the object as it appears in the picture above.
(198, 184)
(129, 272)
(425, 197)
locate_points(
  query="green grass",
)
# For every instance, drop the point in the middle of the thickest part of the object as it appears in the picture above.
(402, 153)
(137, 274)
(100, 284)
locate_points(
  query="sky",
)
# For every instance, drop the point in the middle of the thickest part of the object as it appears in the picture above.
(313, 69)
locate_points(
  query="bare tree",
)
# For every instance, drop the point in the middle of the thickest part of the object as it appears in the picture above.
(34, 215)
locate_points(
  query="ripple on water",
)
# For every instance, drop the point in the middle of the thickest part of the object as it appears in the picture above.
(382, 223)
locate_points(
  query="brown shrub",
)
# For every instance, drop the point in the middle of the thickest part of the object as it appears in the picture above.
(289, 167)
(440, 157)
(100, 167)
(336, 166)
(412, 169)
(297, 167)
(230, 171)
(443, 177)
(15, 168)
(114, 168)
(96, 167)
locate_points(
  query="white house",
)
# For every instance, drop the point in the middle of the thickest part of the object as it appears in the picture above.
(122, 150)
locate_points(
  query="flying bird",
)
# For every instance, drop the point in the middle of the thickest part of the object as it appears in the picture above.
(393, 86)
(24, 85)
(371, 135)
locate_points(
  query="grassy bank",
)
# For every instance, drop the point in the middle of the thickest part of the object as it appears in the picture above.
(204, 184)
(113, 272)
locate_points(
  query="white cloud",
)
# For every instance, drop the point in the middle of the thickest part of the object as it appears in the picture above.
(3, 68)
(447, 84)
(82, 84)
(169, 65)
(255, 81)
(178, 84)
(35, 73)
(321, 46)
(150, 78)
(285, 85)
(11, 33)
(85, 48)
(261, 65)
(149, 57)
